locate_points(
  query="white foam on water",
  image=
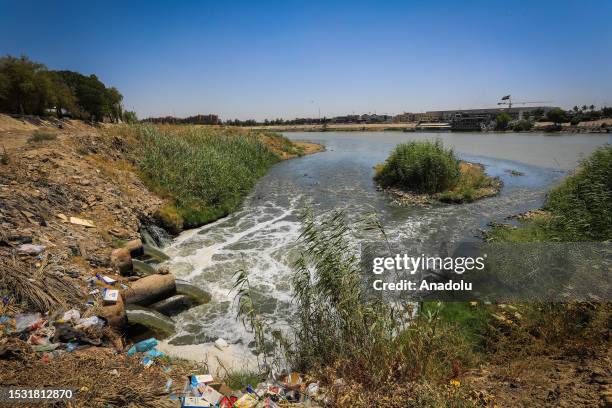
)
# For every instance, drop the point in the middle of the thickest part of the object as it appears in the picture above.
(259, 238)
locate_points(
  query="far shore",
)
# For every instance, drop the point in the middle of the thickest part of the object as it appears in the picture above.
(583, 127)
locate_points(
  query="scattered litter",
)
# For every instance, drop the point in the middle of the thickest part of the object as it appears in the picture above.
(168, 384)
(293, 381)
(31, 249)
(45, 347)
(201, 379)
(221, 343)
(155, 353)
(82, 221)
(142, 346)
(111, 295)
(210, 394)
(89, 322)
(30, 321)
(37, 340)
(246, 401)
(312, 389)
(94, 292)
(195, 402)
(62, 217)
(114, 372)
(107, 279)
(147, 362)
(71, 315)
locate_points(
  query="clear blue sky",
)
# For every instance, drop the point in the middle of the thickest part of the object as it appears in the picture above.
(270, 59)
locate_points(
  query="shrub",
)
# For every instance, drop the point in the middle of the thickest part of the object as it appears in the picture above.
(581, 206)
(422, 167)
(502, 120)
(204, 172)
(40, 136)
(557, 115)
(522, 126)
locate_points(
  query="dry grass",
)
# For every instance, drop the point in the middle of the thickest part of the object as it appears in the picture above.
(38, 289)
(40, 136)
(88, 374)
(472, 185)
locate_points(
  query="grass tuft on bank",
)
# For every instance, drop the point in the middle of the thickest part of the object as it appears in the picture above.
(579, 209)
(429, 168)
(205, 173)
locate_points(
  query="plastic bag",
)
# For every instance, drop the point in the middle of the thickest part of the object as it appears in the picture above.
(28, 321)
(142, 346)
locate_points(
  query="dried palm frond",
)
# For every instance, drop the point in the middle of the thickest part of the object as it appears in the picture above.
(44, 292)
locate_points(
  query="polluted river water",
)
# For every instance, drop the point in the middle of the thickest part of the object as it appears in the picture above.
(261, 236)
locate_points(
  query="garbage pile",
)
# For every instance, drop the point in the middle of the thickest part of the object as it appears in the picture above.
(203, 390)
(52, 336)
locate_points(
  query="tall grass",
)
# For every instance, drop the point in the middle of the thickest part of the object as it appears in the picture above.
(367, 340)
(581, 206)
(580, 209)
(206, 172)
(421, 167)
(340, 332)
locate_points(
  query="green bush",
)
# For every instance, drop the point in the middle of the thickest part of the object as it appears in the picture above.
(522, 126)
(206, 172)
(422, 167)
(581, 206)
(502, 120)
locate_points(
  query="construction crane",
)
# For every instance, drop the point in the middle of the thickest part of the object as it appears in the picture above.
(507, 100)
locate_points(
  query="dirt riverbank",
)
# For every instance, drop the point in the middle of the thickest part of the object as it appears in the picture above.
(69, 196)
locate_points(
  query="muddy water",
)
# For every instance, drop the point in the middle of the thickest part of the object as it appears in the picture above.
(261, 236)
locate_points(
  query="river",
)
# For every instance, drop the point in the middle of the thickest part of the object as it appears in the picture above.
(261, 236)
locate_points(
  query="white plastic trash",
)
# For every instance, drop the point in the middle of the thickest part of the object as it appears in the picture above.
(221, 343)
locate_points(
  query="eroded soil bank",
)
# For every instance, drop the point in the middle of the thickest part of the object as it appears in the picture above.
(69, 196)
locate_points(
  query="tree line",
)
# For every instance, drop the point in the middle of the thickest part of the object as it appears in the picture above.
(210, 119)
(30, 88)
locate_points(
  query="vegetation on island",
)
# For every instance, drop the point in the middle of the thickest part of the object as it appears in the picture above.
(429, 168)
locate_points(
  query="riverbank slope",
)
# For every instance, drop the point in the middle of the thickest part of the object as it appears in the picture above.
(70, 194)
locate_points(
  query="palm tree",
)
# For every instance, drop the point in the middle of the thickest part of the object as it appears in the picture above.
(584, 107)
(592, 107)
(575, 108)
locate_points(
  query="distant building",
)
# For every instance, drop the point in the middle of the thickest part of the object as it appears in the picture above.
(415, 117)
(489, 114)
